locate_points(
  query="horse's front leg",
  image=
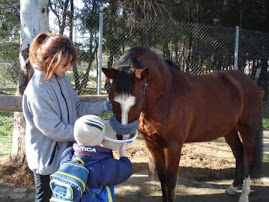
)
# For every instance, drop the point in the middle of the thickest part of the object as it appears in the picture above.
(157, 156)
(166, 162)
(172, 157)
(152, 168)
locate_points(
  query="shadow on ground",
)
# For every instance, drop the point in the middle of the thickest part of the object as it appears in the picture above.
(191, 187)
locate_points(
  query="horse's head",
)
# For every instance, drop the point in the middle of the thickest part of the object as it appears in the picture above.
(127, 93)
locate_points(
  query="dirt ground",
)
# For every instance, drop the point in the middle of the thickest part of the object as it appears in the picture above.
(206, 170)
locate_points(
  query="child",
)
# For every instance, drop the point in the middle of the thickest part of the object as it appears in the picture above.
(104, 170)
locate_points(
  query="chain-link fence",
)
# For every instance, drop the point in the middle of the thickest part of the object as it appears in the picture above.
(9, 71)
(195, 48)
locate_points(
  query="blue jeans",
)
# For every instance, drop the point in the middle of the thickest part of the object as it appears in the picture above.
(42, 188)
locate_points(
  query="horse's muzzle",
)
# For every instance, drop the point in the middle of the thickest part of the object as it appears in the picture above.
(125, 137)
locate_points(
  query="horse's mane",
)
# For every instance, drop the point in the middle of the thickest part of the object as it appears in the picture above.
(129, 58)
(172, 64)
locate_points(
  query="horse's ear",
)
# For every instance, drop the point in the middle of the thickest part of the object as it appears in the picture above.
(110, 73)
(142, 73)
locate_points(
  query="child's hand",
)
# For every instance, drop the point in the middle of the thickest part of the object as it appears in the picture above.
(123, 149)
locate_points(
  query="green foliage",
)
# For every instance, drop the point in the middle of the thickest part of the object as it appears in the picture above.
(9, 42)
(70, 75)
(88, 91)
(9, 73)
(9, 19)
(9, 51)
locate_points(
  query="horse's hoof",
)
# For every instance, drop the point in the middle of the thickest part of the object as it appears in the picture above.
(231, 190)
(243, 199)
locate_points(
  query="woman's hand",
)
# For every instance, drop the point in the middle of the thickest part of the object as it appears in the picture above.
(107, 105)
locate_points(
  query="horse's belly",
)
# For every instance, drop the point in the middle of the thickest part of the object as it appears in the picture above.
(212, 130)
(204, 137)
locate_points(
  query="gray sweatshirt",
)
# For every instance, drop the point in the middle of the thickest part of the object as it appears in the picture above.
(50, 109)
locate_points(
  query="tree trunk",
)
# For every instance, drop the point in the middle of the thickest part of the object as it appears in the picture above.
(34, 20)
(71, 18)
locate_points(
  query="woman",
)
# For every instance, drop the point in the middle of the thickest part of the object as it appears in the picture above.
(51, 107)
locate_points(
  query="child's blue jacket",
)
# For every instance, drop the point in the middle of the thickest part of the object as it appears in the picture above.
(105, 170)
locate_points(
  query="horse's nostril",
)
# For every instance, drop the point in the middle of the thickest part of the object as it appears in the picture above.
(119, 137)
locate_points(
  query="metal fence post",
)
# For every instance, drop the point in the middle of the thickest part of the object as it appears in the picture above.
(100, 54)
(236, 47)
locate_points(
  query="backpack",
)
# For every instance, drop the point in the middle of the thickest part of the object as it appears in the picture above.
(69, 182)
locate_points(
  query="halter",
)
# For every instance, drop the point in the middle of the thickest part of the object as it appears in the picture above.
(145, 85)
(126, 129)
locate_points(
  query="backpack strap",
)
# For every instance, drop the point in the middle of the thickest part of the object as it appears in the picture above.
(79, 160)
(109, 194)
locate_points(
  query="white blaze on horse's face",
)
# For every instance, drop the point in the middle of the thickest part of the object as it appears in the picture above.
(126, 102)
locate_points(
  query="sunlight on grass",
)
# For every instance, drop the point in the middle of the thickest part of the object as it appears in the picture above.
(265, 123)
(265, 158)
(5, 145)
(265, 115)
(5, 130)
(6, 127)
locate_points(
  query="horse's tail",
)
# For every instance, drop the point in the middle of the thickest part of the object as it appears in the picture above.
(257, 168)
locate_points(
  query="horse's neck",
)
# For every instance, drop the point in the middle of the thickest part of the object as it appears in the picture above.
(162, 83)
(159, 77)
(158, 83)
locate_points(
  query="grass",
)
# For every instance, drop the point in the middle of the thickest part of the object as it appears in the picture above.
(6, 123)
(5, 145)
(265, 158)
(265, 114)
(265, 123)
(6, 127)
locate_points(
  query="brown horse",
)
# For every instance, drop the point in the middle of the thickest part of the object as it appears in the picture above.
(174, 108)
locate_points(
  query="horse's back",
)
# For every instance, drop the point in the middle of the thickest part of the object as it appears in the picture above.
(219, 101)
(235, 83)
(250, 94)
